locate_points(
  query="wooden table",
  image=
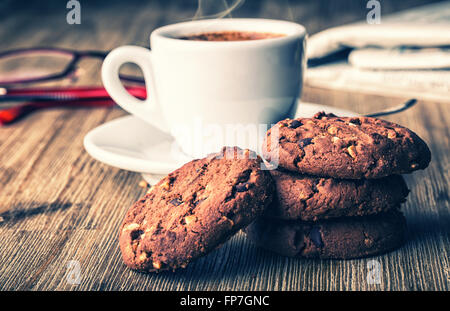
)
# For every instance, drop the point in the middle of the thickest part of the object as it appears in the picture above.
(65, 206)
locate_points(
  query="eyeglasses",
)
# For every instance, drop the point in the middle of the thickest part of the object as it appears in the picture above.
(36, 65)
(33, 65)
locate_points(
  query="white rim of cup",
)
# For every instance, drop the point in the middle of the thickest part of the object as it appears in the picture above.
(170, 34)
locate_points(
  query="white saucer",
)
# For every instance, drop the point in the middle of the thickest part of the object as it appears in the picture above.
(134, 145)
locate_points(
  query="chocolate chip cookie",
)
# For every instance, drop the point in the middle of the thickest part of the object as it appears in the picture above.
(194, 209)
(310, 198)
(345, 147)
(340, 238)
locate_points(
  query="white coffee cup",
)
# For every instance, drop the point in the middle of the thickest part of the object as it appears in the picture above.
(198, 90)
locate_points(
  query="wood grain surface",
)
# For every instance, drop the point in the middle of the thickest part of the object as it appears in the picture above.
(63, 205)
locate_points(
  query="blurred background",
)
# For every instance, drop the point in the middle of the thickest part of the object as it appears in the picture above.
(105, 25)
(135, 19)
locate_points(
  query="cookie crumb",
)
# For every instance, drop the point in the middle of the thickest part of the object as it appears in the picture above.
(332, 130)
(166, 185)
(392, 134)
(156, 265)
(131, 227)
(143, 257)
(368, 242)
(143, 184)
(352, 151)
(190, 219)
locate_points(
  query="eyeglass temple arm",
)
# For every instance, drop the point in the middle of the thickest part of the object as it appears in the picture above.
(64, 93)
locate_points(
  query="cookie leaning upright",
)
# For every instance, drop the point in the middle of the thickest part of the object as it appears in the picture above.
(347, 147)
(194, 209)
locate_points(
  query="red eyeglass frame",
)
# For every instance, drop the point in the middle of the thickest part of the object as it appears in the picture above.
(24, 100)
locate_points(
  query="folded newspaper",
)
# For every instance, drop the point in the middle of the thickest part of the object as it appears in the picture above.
(407, 54)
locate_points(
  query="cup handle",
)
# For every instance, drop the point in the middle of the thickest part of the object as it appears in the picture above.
(147, 109)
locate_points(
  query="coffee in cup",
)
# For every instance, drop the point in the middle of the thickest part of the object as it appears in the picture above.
(231, 36)
(225, 91)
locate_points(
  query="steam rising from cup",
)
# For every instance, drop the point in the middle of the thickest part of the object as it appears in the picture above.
(206, 7)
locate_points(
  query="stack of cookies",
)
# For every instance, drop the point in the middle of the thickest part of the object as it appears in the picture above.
(336, 194)
(338, 186)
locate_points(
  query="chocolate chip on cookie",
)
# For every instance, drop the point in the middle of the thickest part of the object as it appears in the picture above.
(194, 209)
(347, 147)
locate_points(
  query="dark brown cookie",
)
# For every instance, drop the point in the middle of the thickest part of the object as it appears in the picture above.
(194, 209)
(345, 147)
(309, 198)
(340, 238)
